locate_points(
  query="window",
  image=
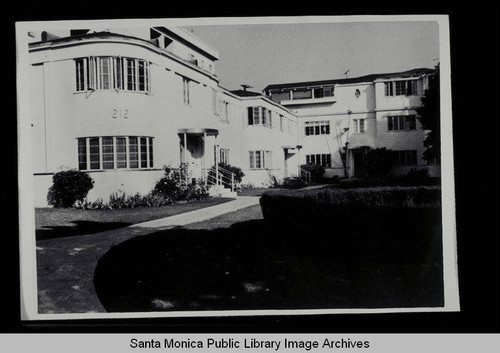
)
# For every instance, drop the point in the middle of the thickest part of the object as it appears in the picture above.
(111, 73)
(282, 123)
(280, 96)
(261, 159)
(401, 88)
(185, 85)
(323, 92)
(401, 123)
(325, 160)
(317, 128)
(224, 155)
(359, 126)
(302, 93)
(259, 116)
(408, 157)
(109, 152)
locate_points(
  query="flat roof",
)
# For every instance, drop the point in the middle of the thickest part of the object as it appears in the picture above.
(360, 79)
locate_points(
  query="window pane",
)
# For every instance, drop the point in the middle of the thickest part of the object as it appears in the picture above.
(131, 84)
(256, 115)
(252, 160)
(107, 153)
(400, 88)
(361, 125)
(82, 154)
(133, 153)
(258, 160)
(150, 152)
(80, 74)
(390, 125)
(94, 153)
(396, 123)
(118, 73)
(144, 153)
(142, 76)
(105, 73)
(121, 152)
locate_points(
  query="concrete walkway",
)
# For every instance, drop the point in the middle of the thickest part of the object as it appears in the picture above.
(65, 266)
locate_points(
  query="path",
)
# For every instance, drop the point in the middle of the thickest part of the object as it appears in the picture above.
(65, 266)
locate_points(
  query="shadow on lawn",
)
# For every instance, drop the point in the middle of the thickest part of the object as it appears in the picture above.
(250, 267)
(79, 228)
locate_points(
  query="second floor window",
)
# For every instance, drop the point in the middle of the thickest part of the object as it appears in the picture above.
(317, 128)
(260, 116)
(112, 73)
(401, 123)
(401, 88)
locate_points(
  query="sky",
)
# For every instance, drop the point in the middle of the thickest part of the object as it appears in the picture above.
(263, 54)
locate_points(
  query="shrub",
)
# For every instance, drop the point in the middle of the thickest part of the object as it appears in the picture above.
(376, 163)
(68, 187)
(316, 171)
(173, 186)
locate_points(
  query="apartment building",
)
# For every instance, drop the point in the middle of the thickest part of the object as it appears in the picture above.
(340, 120)
(125, 104)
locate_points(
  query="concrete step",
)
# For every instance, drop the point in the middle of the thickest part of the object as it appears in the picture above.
(220, 191)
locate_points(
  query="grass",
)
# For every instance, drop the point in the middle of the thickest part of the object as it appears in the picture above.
(235, 262)
(64, 222)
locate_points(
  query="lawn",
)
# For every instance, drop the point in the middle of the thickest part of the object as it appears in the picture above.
(65, 222)
(232, 262)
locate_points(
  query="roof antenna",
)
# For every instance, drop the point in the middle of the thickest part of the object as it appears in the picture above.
(345, 73)
(245, 87)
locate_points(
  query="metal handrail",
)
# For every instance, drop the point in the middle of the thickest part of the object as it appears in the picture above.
(225, 177)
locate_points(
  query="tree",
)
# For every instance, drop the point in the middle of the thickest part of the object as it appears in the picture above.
(429, 115)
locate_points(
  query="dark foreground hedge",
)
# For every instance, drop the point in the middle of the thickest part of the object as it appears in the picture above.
(398, 222)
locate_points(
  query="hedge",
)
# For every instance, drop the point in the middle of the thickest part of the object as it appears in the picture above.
(395, 222)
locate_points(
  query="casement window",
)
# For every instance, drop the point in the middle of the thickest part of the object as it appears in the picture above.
(407, 157)
(106, 73)
(401, 123)
(115, 152)
(359, 126)
(259, 116)
(401, 88)
(317, 128)
(185, 90)
(224, 155)
(261, 159)
(323, 92)
(324, 160)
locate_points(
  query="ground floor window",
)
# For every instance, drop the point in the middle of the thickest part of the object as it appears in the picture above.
(325, 160)
(261, 159)
(115, 152)
(408, 157)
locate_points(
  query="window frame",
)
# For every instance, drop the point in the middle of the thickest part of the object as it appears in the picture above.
(317, 127)
(91, 147)
(260, 159)
(323, 159)
(112, 73)
(401, 123)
